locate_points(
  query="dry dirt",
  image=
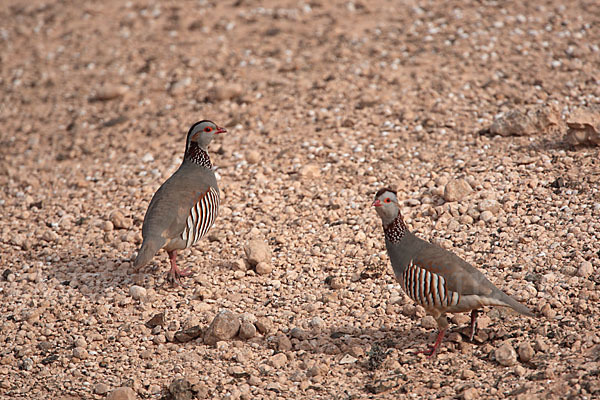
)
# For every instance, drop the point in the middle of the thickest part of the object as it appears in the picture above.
(325, 102)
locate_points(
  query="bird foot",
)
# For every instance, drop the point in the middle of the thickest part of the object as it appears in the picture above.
(175, 274)
(429, 352)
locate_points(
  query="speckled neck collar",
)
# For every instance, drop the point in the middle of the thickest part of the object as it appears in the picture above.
(197, 155)
(395, 230)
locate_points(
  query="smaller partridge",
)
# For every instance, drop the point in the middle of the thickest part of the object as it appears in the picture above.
(185, 207)
(435, 278)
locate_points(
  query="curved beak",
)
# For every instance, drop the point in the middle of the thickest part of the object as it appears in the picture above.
(377, 203)
(220, 130)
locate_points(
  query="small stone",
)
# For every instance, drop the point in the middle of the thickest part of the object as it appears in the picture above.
(107, 226)
(119, 221)
(299, 333)
(241, 265)
(548, 311)
(156, 320)
(223, 327)
(257, 251)
(122, 393)
(283, 343)
(101, 388)
(467, 374)
(526, 352)
(347, 359)
(317, 323)
(181, 389)
(486, 216)
(109, 92)
(253, 157)
(337, 282)
(489, 205)
(278, 360)
(584, 127)
(264, 325)
(137, 292)
(247, 330)
(506, 355)
(310, 171)
(520, 370)
(263, 268)
(585, 269)
(227, 91)
(428, 322)
(187, 335)
(456, 190)
(239, 274)
(470, 394)
(80, 353)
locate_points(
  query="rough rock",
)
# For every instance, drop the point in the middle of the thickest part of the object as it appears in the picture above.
(456, 190)
(545, 119)
(506, 355)
(526, 352)
(223, 327)
(119, 221)
(263, 268)
(247, 330)
(585, 269)
(122, 393)
(584, 127)
(257, 251)
(137, 292)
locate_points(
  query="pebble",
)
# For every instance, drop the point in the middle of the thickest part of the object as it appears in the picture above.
(428, 322)
(264, 325)
(310, 171)
(263, 268)
(101, 388)
(585, 269)
(119, 221)
(506, 355)
(257, 251)
(347, 359)
(223, 327)
(247, 330)
(456, 190)
(470, 394)
(337, 282)
(225, 91)
(122, 393)
(253, 157)
(80, 353)
(278, 360)
(526, 352)
(137, 292)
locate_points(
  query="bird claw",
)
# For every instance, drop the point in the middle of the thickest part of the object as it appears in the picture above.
(429, 352)
(174, 276)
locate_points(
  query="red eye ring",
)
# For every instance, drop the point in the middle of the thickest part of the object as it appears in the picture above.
(387, 200)
(208, 129)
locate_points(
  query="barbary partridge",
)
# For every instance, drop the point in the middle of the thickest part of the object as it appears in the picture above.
(435, 278)
(186, 205)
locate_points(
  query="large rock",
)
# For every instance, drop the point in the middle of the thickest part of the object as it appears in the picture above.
(224, 327)
(257, 251)
(545, 119)
(584, 127)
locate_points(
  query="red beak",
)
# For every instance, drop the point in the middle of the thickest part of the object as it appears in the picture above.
(220, 130)
(377, 203)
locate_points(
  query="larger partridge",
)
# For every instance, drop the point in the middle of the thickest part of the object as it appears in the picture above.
(435, 278)
(186, 205)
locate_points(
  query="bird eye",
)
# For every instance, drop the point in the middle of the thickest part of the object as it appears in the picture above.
(208, 129)
(387, 200)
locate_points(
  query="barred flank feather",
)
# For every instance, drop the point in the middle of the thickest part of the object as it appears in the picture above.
(427, 288)
(202, 217)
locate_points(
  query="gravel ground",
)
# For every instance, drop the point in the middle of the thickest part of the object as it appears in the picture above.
(325, 102)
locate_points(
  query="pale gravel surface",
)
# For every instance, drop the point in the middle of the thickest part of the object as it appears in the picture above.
(324, 103)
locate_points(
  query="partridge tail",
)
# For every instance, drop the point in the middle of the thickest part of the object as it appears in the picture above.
(515, 305)
(149, 248)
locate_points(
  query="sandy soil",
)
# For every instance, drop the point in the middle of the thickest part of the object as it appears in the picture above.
(325, 102)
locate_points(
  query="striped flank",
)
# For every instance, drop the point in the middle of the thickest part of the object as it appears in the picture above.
(202, 217)
(426, 288)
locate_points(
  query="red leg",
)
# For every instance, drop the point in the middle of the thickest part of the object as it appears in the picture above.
(473, 323)
(175, 274)
(432, 349)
